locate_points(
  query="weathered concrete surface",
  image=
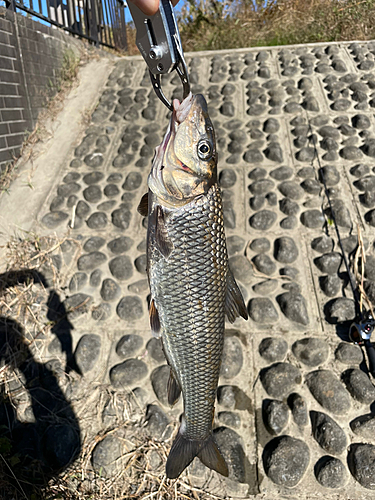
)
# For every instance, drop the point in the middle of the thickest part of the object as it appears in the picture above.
(285, 117)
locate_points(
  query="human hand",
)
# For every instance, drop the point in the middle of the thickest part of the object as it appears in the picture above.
(149, 7)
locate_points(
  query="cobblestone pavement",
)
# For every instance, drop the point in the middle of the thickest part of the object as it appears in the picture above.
(295, 411)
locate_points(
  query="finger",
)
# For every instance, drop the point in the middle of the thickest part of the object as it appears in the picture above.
(148, 7)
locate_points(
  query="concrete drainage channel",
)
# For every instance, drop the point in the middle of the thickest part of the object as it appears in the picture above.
(295, 412)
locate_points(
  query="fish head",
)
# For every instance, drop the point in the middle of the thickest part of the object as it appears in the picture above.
(185, 164)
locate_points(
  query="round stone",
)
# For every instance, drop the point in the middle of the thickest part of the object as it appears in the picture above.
(231, 447)
(306, 154)
(262, 310)
(227, 178)
(54, 219)
(120, 245)
(359, 385)
(365, 183)
(340, 310)
(289, 207)
(77, 282)
(97, 220)
(159, 382)
(331, 473)
(111, 190)
(273, 349)
(90, 261)
(370, 218)
(263, 220)
(230, 419)
(157, 421)
(82, 209)
(264, 264)
(312, 219)
(257, 202)
(241, 269)
(289, 222)
(95, 278)
(235, 244)
(101, 312)
(92, 194)
(322, 244)
(121, 267)
(285, 250)
(282, 173)
(65, 190)
(253, 155)
(293, 306)
(327, 433)
(130, 308)
(275, 416)
(260, 245)
(298, 407)
(57, 203)
(128, 373)
(227, 109)
(291, 189)
(138, 287)
(280, 379)
(155, 349)
(330, 285)
(265, 287)
(274, 152)
(329, 263)
(106, 454)
(141, 264)
(349, 354)
(232, 359)
(261, 186)
(311, 351)
(94, 243)
(87, 352)
(329, 392)
(121, 218)
(109, 290)
(364, 426)
(311, 186)
(60, 444)
(93, 178)
(133, 181)
(285, 460)
(361, 460)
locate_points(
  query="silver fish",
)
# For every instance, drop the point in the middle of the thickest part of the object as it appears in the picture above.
(191, 285)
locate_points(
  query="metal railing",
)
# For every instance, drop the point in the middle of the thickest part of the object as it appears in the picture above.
(100, 21)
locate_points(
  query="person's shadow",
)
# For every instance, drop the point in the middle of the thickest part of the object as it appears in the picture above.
(44, 437)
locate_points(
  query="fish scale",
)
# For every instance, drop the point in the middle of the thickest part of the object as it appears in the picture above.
(189, 290)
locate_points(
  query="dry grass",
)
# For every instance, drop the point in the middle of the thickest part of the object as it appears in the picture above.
(228, 24)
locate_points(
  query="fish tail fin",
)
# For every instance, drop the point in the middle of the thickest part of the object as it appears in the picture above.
(184, 451)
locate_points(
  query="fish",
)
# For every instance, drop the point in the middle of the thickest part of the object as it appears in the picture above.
(191, 285)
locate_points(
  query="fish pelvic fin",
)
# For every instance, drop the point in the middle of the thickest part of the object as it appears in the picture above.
(154, 320)
(184, 451)
(143, 206)
(234, 303)
(162, 240)
(173, 389)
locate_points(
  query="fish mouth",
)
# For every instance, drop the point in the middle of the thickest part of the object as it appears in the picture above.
(182, 109)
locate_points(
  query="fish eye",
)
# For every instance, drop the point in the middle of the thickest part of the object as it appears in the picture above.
(204, 150)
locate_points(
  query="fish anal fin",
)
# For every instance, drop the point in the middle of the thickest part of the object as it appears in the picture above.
(173, 388)
(211, 457)
(184, 451)
(154, 319)
(162, 240)
(143, 205)
(234, 303)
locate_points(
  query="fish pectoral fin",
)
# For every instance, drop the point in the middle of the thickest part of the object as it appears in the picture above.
(154, 319)
(162, 240)
(143, 205)
(212, 458)
(234, 303)
(184, 451)
(173, 388)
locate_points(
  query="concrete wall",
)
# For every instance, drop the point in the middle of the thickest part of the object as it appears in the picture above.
(31, 57)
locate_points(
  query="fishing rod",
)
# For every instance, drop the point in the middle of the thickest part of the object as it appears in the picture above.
(361, 329)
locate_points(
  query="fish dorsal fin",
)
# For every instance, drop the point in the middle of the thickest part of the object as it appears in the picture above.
(162, 240)
(174, 389)
(154, 320)
(143, 205)
(234, 303)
